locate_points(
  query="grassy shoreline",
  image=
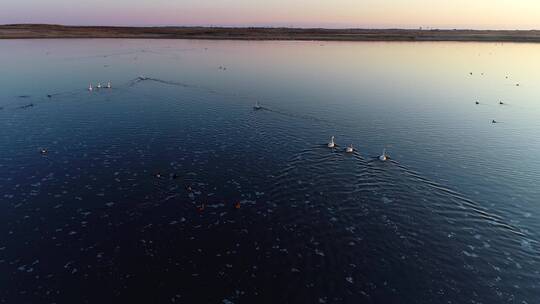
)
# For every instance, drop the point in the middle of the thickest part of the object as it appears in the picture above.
(43, 31)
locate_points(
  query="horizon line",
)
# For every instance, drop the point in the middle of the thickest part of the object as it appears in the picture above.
(269, 27)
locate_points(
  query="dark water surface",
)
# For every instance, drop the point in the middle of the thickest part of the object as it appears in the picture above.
(251, 206)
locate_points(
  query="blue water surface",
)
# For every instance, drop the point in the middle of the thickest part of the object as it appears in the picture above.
(170, 187)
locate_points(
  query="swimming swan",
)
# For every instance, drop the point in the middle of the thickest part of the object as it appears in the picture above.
(383, 156)
(108, 85)
(90, 88)
(257, 106)
(349, 149)
(331, 144)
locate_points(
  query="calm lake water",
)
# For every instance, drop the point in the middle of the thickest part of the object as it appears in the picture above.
(251, 206)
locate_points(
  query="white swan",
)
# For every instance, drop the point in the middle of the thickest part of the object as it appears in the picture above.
(383, 156)
(257, 106)
(99, 85)
(90, 88)
(331, 144)
(108, 85)
(349, 149)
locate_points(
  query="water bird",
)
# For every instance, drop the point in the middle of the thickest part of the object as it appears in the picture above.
(26, 106)
(517, 84)
(383, 156)
(90, 88)
(257, 106)
(49, 95)
(331, 144)
(99, 85)
(157, 175)
(349, 149)
(201, 207)
(141, 77)
(108, 85)
(477, 102)
(43, 151)
(493, 121)
(501, 103)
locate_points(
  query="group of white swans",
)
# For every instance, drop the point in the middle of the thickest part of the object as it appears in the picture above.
(99, 86)
(350, 149)
(332, 143)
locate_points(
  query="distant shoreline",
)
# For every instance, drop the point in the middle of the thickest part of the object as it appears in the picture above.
(43, 31)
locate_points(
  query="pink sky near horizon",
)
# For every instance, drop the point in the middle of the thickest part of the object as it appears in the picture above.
(479, 14)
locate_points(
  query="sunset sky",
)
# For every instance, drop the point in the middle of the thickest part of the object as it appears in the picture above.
(478, 14)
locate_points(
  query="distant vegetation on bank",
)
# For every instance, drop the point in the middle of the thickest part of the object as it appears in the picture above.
(20, 31)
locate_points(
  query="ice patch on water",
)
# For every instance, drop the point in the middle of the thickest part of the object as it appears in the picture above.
(318, 252)
(386, 200)
(526, 245)
(472, 255)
